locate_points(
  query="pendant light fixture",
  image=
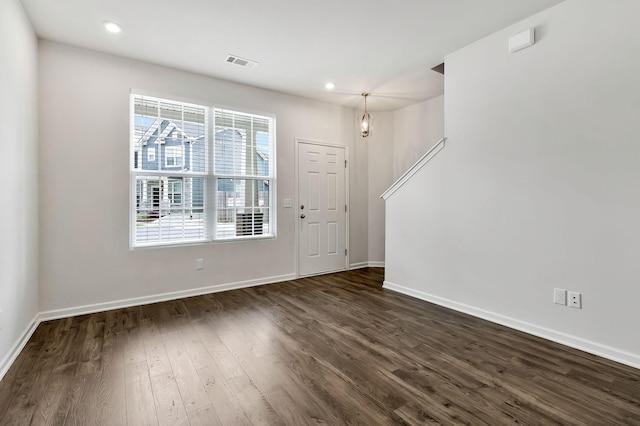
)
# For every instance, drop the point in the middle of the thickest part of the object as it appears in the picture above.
(365, 121)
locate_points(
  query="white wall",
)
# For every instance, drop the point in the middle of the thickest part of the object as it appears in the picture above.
(84, 218)
(416, 129)
(537, 186)
(399, 139)
(18, 174)
(359, 197)
(380, 146)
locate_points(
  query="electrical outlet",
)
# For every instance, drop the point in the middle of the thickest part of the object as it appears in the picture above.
(575, 299)
(559, 296)
(199, 264)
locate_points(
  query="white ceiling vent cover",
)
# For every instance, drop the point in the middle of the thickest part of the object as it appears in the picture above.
(245, 63)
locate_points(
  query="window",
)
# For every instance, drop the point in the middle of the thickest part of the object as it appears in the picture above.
(213, 178)
(173, 156)
(174, 191)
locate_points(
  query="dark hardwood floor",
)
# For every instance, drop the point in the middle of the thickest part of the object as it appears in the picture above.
(335, 349)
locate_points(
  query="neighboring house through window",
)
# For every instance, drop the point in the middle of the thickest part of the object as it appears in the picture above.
(191, 185)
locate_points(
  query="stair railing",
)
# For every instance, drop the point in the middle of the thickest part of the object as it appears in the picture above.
(413, 169)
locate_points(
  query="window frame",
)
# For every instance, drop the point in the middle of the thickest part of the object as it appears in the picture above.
(210, 192)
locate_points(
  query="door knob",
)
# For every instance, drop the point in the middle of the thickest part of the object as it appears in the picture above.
(301, 206)
(302, 216)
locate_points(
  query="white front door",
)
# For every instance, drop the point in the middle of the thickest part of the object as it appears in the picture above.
(322, 217)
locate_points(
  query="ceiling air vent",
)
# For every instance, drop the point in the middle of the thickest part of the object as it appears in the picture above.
(245, 63)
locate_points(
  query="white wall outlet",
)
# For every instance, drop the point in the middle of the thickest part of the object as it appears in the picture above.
(199, 264)
(559, 296)
(575, 299)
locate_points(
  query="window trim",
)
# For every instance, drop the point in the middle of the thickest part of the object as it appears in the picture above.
(210, 178)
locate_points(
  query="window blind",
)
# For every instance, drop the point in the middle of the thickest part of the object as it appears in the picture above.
(169, 143)
(243, 162)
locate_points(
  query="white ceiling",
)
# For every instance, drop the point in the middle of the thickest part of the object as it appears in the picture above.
(380, 46)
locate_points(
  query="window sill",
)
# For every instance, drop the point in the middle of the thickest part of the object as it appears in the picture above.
(203, 242)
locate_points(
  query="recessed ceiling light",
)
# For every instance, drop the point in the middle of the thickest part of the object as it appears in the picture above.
(112, 27)
(330, 86)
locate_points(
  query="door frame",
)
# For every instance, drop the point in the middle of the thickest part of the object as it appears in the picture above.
(297, 143)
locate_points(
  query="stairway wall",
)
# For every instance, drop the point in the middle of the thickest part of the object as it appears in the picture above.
(416, 129)
(537, 186)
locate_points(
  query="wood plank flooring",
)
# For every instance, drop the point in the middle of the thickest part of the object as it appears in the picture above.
(334, 349)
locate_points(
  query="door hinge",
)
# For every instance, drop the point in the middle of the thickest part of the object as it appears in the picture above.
(345, 252)
(345, 164)
(345, 207)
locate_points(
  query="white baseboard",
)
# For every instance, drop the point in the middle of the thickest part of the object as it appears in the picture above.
(630, 359)
(366, 265)
(163, 297)
(15, 350)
